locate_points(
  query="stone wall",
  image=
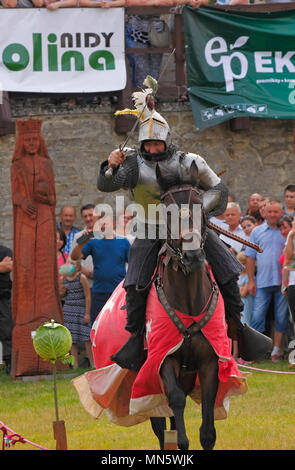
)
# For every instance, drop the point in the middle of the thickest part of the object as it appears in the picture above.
(260, 159)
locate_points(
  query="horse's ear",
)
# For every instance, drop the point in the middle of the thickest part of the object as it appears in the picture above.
(194, 171)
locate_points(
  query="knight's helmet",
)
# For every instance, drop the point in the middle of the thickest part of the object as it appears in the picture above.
(152, 126)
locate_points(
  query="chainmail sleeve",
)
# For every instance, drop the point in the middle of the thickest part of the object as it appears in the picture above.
(124, 177)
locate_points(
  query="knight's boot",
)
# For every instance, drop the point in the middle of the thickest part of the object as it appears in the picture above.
(233, 307)
(136, 306)
(252, 345)
(132, 355)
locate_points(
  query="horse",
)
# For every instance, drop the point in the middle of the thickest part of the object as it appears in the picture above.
(188, 287)
(184, 283)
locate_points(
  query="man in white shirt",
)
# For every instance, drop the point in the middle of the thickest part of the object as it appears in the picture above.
(232, 217)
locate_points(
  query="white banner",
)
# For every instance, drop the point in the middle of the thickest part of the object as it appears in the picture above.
(71, 50)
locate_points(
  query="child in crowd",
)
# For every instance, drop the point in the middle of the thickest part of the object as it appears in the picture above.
(248, 222)
(247, 299)
(77, 311)
(122, 226)
(61, 241)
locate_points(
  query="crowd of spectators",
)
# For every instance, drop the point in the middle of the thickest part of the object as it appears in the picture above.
(267, 282)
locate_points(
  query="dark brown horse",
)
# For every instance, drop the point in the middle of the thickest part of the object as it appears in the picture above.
(184, 284)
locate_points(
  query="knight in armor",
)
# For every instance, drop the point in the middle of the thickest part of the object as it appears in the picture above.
(135, 169)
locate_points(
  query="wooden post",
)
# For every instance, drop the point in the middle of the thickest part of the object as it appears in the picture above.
(7, 125)
(170, 440)
(60, 435)
(59, 428)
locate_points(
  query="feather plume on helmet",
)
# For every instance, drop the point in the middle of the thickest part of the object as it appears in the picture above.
(152, 125)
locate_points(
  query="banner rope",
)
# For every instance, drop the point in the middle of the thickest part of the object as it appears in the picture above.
(267, 370)
(9, 440)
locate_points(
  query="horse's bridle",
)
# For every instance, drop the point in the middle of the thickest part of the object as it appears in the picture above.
(168, 252)
(173, 252)
(178, 189)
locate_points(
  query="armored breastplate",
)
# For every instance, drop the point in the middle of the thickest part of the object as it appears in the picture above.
(147, 190)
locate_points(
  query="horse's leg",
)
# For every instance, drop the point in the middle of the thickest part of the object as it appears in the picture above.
(208, 375)
(158, 426)
(176, 401)
(172, 423)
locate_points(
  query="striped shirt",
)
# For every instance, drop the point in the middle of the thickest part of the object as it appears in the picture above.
(70, 238)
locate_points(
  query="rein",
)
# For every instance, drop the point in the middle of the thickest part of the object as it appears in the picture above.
(142, 289)
(175, 256)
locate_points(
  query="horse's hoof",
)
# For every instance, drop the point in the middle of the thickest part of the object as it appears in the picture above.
(208, 445)
(184, 444)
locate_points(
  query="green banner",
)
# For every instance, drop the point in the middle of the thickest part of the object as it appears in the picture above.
(239, 64)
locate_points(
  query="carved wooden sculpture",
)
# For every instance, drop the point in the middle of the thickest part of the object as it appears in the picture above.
(35, 297)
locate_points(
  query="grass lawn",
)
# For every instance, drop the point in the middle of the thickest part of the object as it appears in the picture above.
(262, 419)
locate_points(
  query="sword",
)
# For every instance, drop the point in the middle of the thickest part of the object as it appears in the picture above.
(109, 171)
(221, 230)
